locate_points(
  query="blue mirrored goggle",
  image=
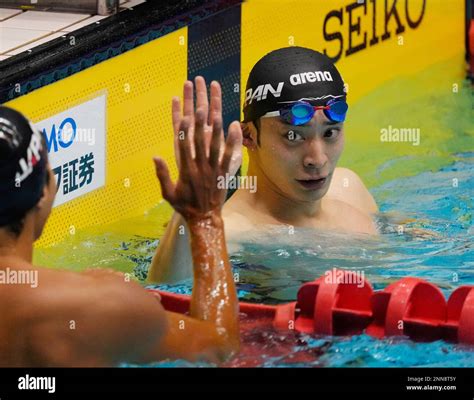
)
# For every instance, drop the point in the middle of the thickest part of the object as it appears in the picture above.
(301, 112)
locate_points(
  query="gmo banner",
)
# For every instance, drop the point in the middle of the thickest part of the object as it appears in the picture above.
(76, 145)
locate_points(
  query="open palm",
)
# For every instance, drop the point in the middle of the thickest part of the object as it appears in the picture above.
(203, 156)
(210, 112)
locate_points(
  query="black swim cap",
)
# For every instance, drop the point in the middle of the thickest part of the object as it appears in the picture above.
(290, 74)
(23, 160)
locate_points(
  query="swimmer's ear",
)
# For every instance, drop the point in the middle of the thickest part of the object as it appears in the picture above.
(42, 201)
(249, 135)
(46, 196)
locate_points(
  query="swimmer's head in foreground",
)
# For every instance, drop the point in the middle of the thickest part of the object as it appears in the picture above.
(27, 184)
(34, 331)
(294, 112)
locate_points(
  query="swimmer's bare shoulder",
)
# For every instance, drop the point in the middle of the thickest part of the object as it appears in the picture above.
(236, 222)
(341, 216)
(348, 187)
(344, 217)
(67, 309)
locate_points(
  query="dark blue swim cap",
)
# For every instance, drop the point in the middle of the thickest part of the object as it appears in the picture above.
(288, 75)
(23, 160)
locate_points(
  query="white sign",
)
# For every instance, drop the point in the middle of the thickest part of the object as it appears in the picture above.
(76, 147)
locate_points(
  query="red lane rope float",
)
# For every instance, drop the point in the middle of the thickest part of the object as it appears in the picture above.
(410, 307)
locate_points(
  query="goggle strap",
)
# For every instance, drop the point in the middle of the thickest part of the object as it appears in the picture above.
(271, 114)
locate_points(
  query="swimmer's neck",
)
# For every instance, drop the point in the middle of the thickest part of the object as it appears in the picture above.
(17, 250)
(269, 200)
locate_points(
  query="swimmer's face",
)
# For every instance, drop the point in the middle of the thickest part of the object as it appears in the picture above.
(44, 206)
(293, 158)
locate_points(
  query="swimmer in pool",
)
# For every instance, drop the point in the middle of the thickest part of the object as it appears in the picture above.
(56, 318)
(293, 128)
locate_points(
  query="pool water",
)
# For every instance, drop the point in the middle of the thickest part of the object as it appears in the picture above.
(433, 207)
(435, 210)
(435, 244)
(425, 195)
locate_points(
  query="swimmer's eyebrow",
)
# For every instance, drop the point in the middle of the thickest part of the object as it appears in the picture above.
(308, 124)
(325, 123)
(331, 123)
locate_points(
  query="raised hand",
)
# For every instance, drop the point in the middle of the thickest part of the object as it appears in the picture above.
(214, 109)
(203, 156)
(202, 161)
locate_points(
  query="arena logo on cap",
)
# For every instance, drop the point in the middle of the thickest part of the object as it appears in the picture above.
(261, 92)
(304, 77)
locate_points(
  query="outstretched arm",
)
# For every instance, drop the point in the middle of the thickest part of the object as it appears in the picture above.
(98, 318)
(197, 197)
(172, 261)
